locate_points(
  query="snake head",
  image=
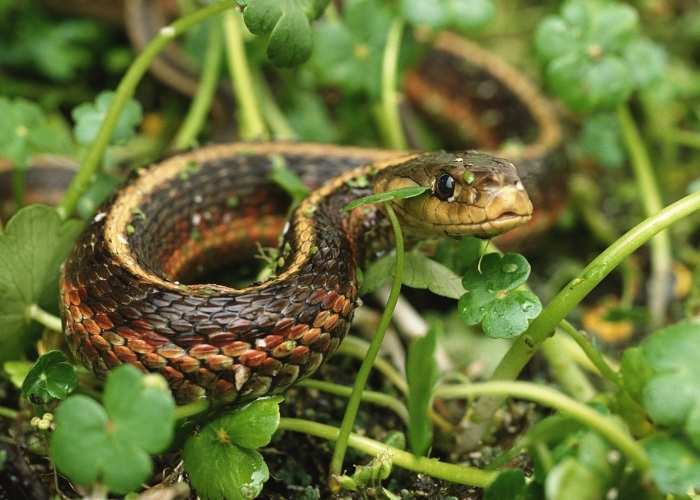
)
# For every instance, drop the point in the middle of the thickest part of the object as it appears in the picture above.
(470, 194)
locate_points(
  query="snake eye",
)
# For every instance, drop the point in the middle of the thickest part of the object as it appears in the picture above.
(444, 187)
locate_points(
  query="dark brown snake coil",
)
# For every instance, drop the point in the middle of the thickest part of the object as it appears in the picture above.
(124, 289)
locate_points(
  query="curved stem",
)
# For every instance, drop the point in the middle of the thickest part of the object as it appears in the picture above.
(545, 396)
(357, 348)
(661, 258)
(565, 372)
(366, 366)
(592, 353)
(124, 92)
(274, 117)
(252, 126)
(377, 398)
(390, 118)
(192, 409)
(197, 114)
(450, 472)
(46, 319)
(542, 327)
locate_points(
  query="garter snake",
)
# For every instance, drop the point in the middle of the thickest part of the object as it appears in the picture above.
(126, 288)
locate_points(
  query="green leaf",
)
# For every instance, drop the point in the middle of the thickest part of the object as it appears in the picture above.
(464, 15)
(647, 61)
(508, 484)
(288, 180)
(671, 395)
(51, 377)
(17, 371)
(349, 51)
(422, 375)
(378, 273)
(424, 273)
(493, 299)
(396, 194)
(459, 255)
(675, 466)
(572, 479)
(112, 444)
(89, 117)
(601, 139)
(221, 459)
(25, 130)
(34, 244)
(287, 23)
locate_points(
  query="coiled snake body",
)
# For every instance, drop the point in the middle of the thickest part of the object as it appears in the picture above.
(124, 291)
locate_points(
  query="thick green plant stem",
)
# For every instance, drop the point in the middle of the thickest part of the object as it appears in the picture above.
(250, 121)
(593, 354)
(376, 398)
(274, 117)
(346, 426)
(565, 372)
(192, 409)
(542, 327)
(546, 396)
(48, 320)
(357, 348)
(450, 472)
(19, 185)
(124, 92)
(390, 118)
(211, 68)
(687, 138)
(8, 413)
(661, 258)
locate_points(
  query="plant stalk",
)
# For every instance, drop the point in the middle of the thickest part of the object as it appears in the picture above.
(46, 319)
(124, 92)
(390, 122)
(336, 466)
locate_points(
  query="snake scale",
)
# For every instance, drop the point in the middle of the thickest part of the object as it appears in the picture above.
(124, 287)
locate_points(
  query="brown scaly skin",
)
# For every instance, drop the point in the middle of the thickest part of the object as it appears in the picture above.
(121, 291)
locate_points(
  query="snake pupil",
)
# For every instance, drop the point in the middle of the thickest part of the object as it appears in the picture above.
(445, 187)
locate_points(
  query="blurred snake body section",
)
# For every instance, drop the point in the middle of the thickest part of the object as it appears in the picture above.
(126, 288)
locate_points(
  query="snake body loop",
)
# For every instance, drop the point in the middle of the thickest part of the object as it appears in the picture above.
(124, 288)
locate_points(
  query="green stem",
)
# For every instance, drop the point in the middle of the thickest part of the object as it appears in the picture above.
(346, 426)
(197, 114)
(683, 137)
(8, 413)
(252, 126)
(48, 320)
(661, 258)
(377, 398)
(391, 119)
(275, 119)
(592, 353)
(191, 409)
(546, 396)
(357, 348)
(542, 327)
(450, 472)
(124, 92)
(565, 372)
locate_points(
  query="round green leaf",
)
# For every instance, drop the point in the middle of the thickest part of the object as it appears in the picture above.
(252, 425)
(470, 15)
(572, 479)
(290, 41)
(647, 61)
(509, 317)
(51, 377)
(89, 117)
(554, 38)
(675, 466)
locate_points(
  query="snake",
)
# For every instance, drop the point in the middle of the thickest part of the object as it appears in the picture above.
(129, 293)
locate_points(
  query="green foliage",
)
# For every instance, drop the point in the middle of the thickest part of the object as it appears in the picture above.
(459, 255)
(349, 51)
(666, 375)
(463, 15)
(601, 139)
(89, 117)
(494, 298)
(32, 247)
(422, 375)
(595, 57)
(222, 459)
(509, 484)
(396, 194)
(111, 444)
(675, 466)
(51, 377)
(288, 180)
(26, 130)
(288, 24)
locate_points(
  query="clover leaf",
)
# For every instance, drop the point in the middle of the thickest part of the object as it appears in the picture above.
(90, 116)
(493, 298)
(594, 55)
(671, 368)
(601, 139)
(111, 444)
(464, 15)
(25, 130)
(675, 466)
(32, 247)
(288, 24)
(51, 377)
(222, 460)
(349, 51)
